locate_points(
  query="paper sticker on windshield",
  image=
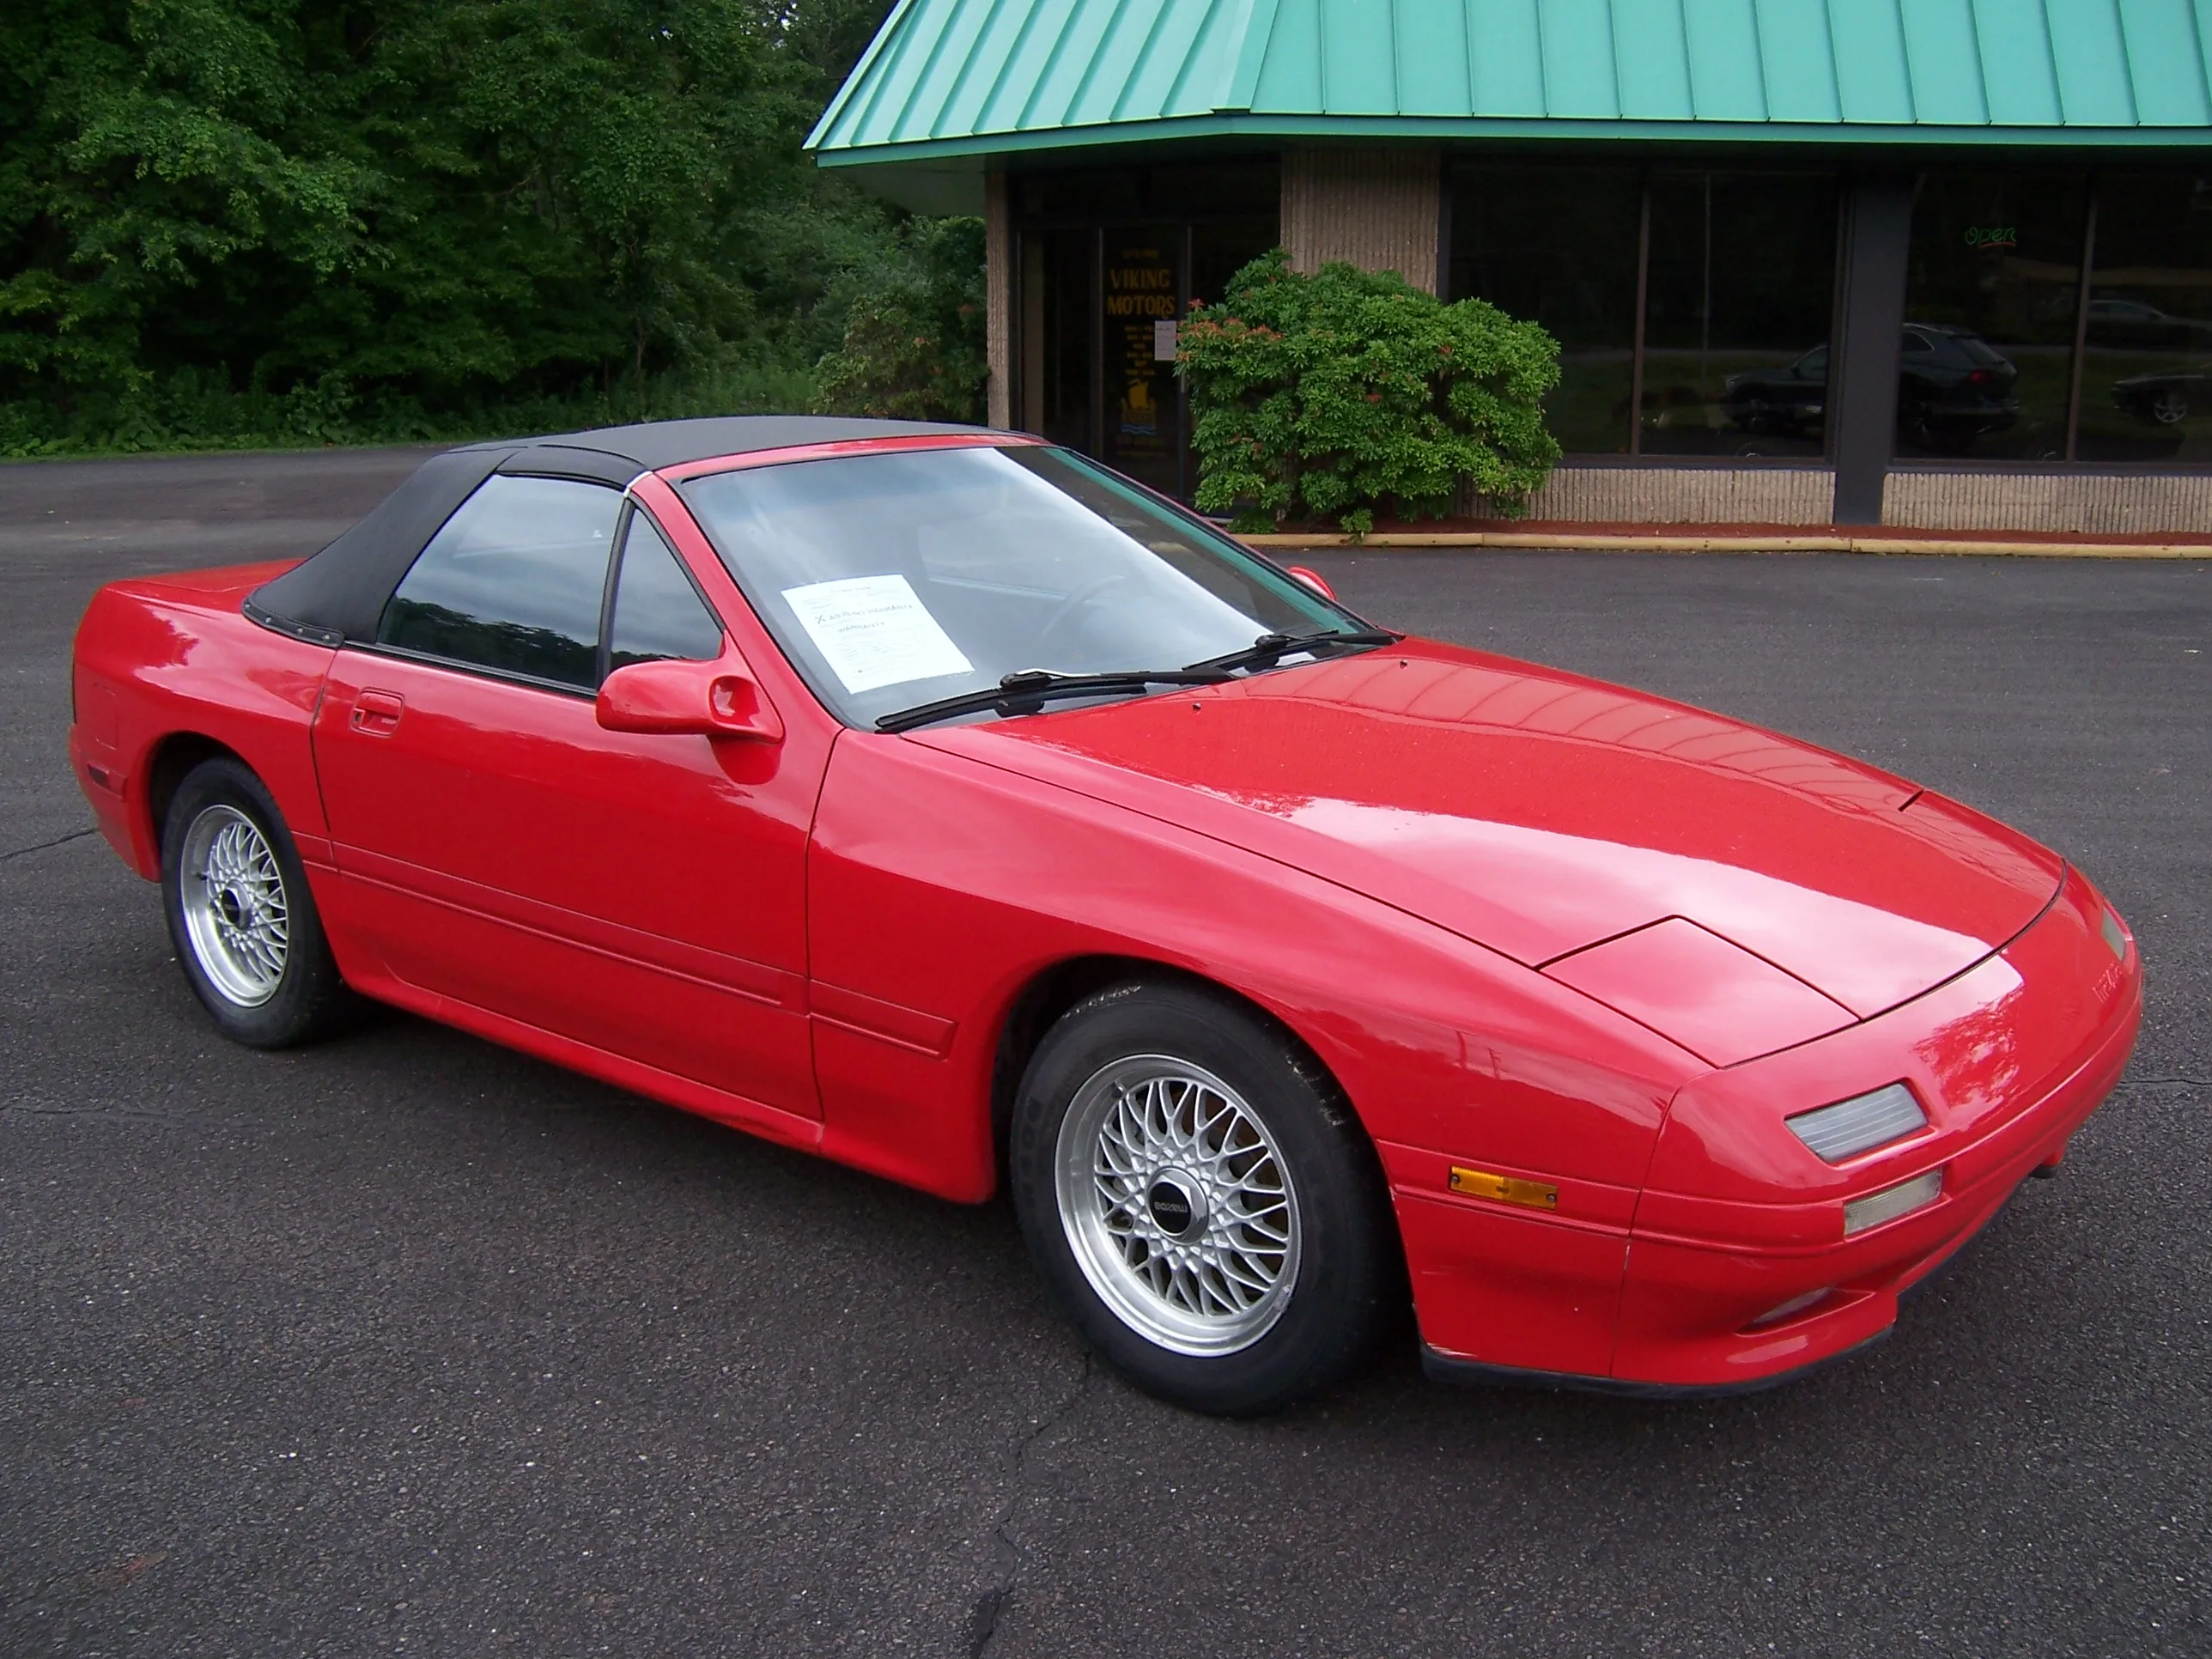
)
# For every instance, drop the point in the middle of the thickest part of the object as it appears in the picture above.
(874, 632)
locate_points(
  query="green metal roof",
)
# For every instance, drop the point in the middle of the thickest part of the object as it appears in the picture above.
(967, 78)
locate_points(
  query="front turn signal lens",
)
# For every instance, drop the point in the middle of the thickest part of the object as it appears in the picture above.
(1859, 1124)
(1892, 1202)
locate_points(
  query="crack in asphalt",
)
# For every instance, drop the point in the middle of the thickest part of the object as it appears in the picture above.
(58, 840)
(2167, 1083)
(984, 1620)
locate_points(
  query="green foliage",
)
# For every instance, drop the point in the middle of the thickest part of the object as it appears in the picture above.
(1344, 393)
(324, 221)
(914, 346)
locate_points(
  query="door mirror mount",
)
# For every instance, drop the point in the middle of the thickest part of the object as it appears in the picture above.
(705, 699)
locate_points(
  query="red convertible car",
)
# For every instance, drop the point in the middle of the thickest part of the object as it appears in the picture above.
(938, 801)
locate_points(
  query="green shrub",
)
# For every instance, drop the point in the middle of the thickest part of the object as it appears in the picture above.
(1346, 392)
(914, 347)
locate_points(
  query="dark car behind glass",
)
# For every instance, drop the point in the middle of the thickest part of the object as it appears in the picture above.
(2142, 326)
(1952, 386)
(2167, 398)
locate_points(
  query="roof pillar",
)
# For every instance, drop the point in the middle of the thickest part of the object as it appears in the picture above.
(1862, 364)
(1376, 206)
(998, 301)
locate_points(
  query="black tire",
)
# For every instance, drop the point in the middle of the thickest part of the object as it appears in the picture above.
(307, 1000)
(1348, 1284)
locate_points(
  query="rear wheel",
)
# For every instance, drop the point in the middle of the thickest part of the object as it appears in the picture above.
(1200, 1200)
(240, 916)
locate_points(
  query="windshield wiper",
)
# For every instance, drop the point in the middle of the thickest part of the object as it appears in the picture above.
(1027, 691)
(1264, 652)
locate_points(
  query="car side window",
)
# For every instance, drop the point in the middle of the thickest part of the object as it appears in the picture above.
(1918, 342)
(513, 582)
(658, 615)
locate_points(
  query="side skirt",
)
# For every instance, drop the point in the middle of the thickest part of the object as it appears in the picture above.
(770, 1122)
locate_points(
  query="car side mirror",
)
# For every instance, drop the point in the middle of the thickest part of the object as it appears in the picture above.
(1311, 579)
(708, 699)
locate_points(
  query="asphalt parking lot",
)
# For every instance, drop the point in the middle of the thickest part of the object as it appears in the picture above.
(410, 1344)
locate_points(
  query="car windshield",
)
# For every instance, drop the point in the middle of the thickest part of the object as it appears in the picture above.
(898, 578)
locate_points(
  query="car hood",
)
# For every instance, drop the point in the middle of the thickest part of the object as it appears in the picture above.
(1616, 840)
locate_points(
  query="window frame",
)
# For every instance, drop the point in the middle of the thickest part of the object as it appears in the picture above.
(632, 510)
(1202, 528)
(624, 505)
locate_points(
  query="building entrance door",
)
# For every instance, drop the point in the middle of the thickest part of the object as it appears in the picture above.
(1106, 265)
(1140, 298)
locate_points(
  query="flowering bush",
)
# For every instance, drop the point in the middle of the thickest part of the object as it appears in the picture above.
(1344, 393)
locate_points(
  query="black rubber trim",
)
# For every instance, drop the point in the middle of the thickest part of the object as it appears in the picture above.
(311, 633)
(1447, 1368)
(574, 463)
(477, 669)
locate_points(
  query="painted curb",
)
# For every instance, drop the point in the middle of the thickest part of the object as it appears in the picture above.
(1576, 542)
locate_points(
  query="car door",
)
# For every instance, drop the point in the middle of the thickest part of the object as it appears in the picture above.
(640, 894)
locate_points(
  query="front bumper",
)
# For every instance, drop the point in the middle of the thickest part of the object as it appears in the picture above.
(1738, 1219)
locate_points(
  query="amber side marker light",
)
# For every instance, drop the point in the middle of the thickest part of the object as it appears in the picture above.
(1892, 1202)
(1507, 1189)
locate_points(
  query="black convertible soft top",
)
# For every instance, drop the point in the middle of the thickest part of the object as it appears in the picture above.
(340, 593)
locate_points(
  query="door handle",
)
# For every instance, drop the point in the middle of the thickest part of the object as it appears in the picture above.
(377, 713)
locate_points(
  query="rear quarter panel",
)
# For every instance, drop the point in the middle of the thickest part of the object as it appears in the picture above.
(161, 658)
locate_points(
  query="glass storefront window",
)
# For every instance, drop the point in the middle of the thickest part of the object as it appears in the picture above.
(1106, 262)
(1558, 245)
(1736, 270)
(1218, 251)
(1739, 291)
(1055, 335)
(2147, 368)
(1186, 190)
(1995, 276)
(1741, 287)
(1140, 303)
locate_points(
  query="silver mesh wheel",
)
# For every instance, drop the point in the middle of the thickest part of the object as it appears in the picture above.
(1177, 1203)
(234, 908)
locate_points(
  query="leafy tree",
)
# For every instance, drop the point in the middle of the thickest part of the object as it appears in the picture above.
(141, 148)
(914, 347)
(1342, 393)
(331, 218)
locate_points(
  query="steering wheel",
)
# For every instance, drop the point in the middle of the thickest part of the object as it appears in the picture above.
(1067, 609)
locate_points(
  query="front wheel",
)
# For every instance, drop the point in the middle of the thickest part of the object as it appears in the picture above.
(1200, 1200)
(241, 919)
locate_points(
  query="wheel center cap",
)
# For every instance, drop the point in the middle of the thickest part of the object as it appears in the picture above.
(1177, 1207)
(234, 911)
